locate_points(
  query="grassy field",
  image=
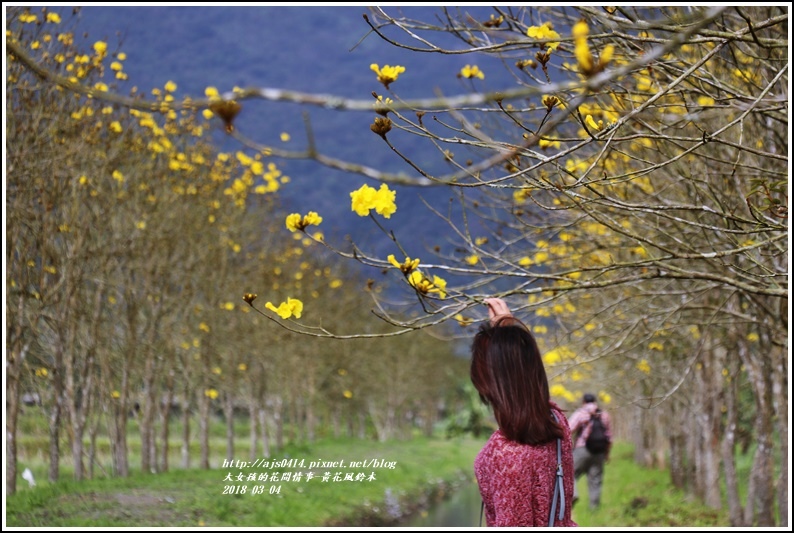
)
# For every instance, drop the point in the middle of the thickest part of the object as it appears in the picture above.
(425, 470)
(639, 497)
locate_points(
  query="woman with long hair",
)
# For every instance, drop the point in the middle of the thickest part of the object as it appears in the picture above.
(525, 470)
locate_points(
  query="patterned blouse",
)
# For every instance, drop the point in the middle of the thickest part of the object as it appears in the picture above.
(517, 480)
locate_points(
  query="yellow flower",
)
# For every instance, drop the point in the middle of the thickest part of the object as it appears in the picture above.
(101, 48)
(217, 370)
(41, 372)
(407, 266)
(644, 367)
(118, 176)
(170, 86)
(362, 200)
(472, 71)
(347, 394)
(752, 337)
(592, 123)
(423, 285)
(384, 201)
(242, 367)
(211, 393)
(295, 222)
(204, 327)
(561, 392)
(285, 137)
(366, 198)
(115, 126)
(55, 18)
(292, 307)
(462, 320)
(440, 286)
(229, 306)
(115, 395)
(581, 51)
(543, 32)
(387, 74)
(658, 346)
(580, 30)
(548, 143)
(473, 259)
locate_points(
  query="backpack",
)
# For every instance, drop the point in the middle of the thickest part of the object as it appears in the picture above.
(597, 441)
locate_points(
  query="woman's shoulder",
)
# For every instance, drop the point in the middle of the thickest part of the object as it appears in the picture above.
(557, 409)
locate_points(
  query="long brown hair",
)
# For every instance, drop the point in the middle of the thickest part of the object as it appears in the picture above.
(508, 373)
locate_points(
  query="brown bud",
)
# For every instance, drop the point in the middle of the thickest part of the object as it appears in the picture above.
(226, 110)
(381, 126)
(543, 57)
(550, 102)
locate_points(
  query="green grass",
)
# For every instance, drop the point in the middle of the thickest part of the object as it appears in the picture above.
(425, 468)
(640, 497)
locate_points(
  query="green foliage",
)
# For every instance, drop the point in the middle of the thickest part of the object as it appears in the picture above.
(641, 497)
(471, 416)
(424, 469)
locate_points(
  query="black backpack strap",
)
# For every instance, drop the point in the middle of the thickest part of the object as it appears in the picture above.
(559, 493)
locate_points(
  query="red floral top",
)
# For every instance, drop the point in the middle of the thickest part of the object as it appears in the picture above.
(517, 480)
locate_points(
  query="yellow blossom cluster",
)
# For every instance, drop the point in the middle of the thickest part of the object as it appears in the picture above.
(471, 71)
(407, 266)
(544, 32)
(587, 64)
(295, 222)
(425, 286)
(366, 198)
(292, 307)
(387, 74)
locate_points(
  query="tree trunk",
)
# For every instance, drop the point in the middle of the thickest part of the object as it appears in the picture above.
(729, 444)
(204, 429)
(165, 419)
(54, 470)
(309, 402)
(781, 399)
(12, 413)
(186, 427)
(278, 417)
(362, 425)
(678, 456)
(760, 506)
(92, 459)
(149, 400)
(713, 363)
(252, 422)
(228, 412)
(263, 428)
